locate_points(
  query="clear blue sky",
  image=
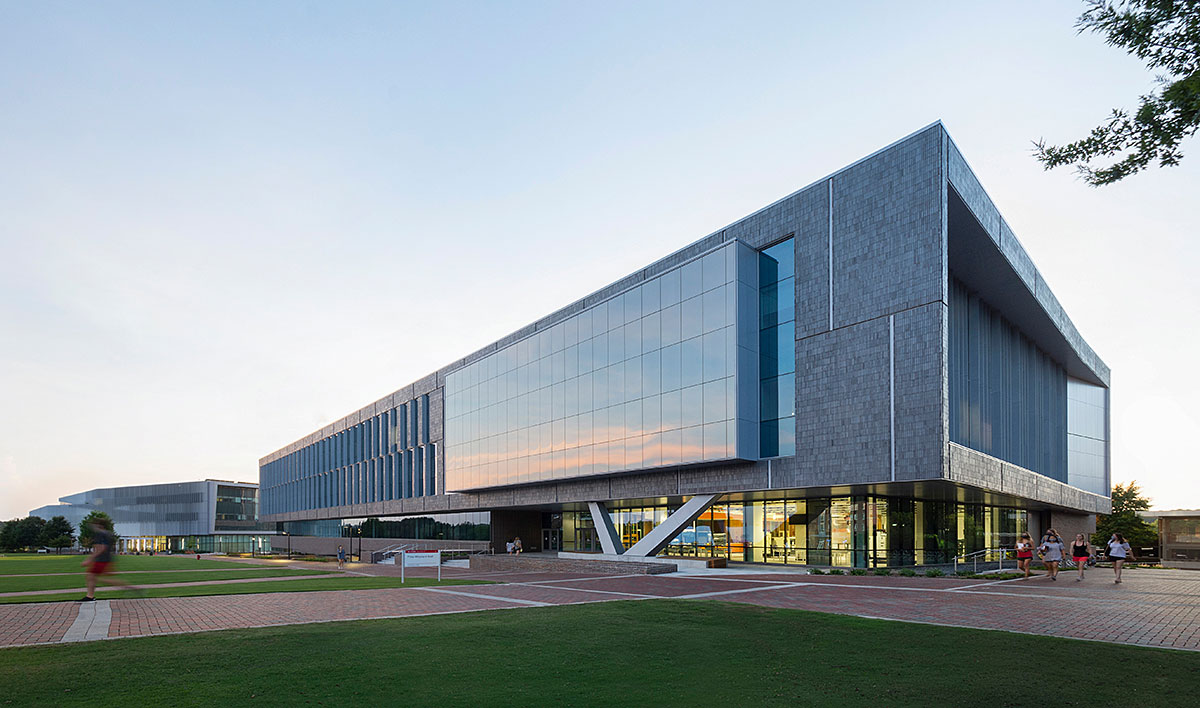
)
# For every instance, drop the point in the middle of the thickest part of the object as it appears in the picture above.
(226, 224)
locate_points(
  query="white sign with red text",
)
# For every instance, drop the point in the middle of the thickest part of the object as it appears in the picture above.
(420, 559)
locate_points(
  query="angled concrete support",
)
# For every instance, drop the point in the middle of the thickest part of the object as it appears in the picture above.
(610, 540)
(662, 534)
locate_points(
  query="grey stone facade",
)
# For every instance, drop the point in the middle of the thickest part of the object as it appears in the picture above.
(871, 250)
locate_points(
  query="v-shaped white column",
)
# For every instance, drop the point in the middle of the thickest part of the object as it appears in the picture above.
(662, 534)
(610, 540)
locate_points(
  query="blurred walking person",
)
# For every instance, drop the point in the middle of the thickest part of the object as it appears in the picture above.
(100, 562)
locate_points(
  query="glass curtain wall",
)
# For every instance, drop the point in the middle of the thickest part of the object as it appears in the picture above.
(858, 532)
(777, 348)
(642, 380)
(385, 457)
(469, 526)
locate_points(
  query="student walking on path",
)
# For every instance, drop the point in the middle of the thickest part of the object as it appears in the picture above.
(1118, 551)
(1052, 552)
(1081, 553)
(100, 562)
(1024, 554)
(341, 557)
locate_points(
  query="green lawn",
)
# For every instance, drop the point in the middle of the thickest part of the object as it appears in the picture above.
(26, 583)
(661, 652)
(341, 582)
(23, 564)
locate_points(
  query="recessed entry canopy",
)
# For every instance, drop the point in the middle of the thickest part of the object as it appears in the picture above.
(976, 260)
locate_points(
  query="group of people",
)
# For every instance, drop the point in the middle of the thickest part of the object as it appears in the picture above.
(514, 546)
(1052, 551)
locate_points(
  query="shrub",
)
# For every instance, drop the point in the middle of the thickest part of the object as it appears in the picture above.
(882, 571)
(934, 573)
(859, 571)
(964, 573)
(815, 571)
(908, 572)
(836, 571)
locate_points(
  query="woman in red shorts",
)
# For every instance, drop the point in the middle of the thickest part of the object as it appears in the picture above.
(1024, 554)
(1081, 553)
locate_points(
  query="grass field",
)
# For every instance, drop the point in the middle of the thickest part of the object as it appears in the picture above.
(25, 564)
(660, 652)
(27, 583)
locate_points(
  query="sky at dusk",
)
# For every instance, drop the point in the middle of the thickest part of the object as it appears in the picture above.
(224, 225)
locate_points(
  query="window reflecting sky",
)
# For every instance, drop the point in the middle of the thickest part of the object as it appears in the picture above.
(642, 380)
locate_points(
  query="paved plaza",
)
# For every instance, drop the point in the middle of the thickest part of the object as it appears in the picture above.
(1157, 608)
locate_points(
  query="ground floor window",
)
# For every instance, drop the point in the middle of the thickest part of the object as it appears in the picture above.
(223, 543)
(851, 531)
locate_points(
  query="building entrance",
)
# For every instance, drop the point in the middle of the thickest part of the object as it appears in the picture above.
(551, 539)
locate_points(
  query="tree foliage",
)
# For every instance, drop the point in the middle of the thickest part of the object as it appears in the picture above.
(1166, 35)
(85, 527)
(8, 535)
(1127, 501)
(58, 533)
(29, 531)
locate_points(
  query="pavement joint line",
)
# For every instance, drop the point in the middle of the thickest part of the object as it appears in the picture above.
(99, 627)
(981, 585)
(734, 580)
(577, 580)
(602, 592)
(83, 620)
(531, 603)
(701, 595)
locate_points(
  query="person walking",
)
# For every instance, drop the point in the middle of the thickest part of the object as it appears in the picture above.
(1081, 553)
(1024, 554)
(1052, 550)
(517, 545)
(341, 557)
(1118, 551)
(100, 562)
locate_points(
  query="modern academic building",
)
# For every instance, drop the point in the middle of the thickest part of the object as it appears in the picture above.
(209, 516)
(868, 372)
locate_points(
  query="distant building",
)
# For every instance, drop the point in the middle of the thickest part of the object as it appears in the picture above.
(869, 372)
(210, 516)
(1178, 536)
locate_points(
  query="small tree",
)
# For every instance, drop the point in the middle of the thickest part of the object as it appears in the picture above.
(1127, 501)
(8, 535)
(85, 527)
(58, 533)
(29, 531)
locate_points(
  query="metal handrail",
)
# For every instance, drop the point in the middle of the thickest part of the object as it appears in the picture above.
(385, 553)
(975, 555)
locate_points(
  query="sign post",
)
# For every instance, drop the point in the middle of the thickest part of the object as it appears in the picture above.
(420, 559)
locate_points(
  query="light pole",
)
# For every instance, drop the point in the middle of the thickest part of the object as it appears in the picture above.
(360, 543)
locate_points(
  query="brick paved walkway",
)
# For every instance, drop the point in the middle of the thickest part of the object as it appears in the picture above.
(1158, 608)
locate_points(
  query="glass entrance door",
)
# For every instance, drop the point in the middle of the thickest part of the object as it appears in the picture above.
(551, 539)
